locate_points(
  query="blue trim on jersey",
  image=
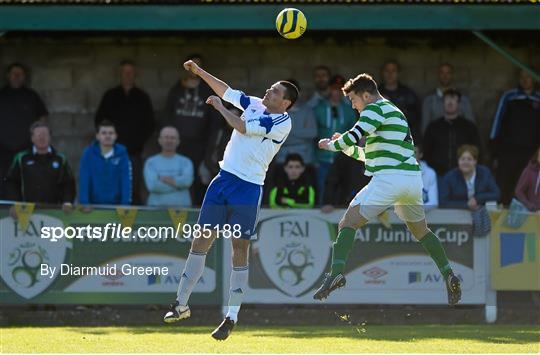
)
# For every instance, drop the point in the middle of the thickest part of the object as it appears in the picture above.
(278, 142)
(244, 100)
(267, 123)
(281, 120)
(278, 117)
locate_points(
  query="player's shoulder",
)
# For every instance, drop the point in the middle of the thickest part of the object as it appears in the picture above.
(283, 118)
(375, 108)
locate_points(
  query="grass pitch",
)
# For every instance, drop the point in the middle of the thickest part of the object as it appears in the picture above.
(264, 339)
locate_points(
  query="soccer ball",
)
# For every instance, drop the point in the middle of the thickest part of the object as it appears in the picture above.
(291, 23)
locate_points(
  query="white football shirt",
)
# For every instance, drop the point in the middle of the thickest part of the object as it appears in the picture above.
(248, 155)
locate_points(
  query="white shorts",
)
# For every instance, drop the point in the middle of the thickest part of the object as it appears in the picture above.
(404, 192)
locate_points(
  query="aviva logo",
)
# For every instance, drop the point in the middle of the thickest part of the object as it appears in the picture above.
(517, 248)
(415, 276)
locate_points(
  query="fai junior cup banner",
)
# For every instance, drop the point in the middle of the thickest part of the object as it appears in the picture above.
(386, 266)
(61, 258)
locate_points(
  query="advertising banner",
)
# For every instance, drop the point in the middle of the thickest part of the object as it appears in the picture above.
(130, 270)
(515, 253)
(386, 266)
(287, 261)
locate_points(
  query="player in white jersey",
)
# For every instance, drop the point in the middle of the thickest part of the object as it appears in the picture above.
(232, 200)
(397, 180)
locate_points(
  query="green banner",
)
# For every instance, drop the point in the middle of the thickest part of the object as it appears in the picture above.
(77, 268)
(293, 252)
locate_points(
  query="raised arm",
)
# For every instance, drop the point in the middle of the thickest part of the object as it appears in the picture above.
(233, 120)
(216, 84)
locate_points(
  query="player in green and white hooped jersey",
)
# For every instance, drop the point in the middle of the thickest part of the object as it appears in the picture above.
(397, 180)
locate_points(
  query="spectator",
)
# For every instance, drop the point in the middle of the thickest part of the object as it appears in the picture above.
(469, 185)
(334, 114)
(432, 107)
(295, 190)
(321, 79)
(345, 178)
(41, 174)
(20, 106)
(187, 111)
(528, 187)
(130, 110)
(446, 134)
(105, 170)
(430, 192)
(168, 175)
(515, 133)
(402, 96)
(219, 137)
(301, 139)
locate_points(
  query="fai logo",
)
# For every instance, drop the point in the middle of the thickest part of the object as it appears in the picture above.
(294, 251)
(23, 252)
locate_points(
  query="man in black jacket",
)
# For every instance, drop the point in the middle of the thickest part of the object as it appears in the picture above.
(20, 106)
(445, 135)
(40, 174)
(515, 133)
(187, 111)
(131, 111)
(402, 96)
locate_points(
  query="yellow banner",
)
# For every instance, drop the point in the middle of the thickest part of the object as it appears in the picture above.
(515, 254)
(178, 216)
(24, 211)
(127, 216)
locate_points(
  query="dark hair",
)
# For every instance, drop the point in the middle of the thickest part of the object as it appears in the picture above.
(468, 148)
(39, 124)
(105, 123)
(127, 62)
(295, 83)
(362, 83)
(391, 61)
(323, 67)
(19, 65)
(452, 93)
(294, 157)
(291, 92)
(194, 56)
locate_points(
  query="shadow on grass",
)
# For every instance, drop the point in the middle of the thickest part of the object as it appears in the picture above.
(497, 334)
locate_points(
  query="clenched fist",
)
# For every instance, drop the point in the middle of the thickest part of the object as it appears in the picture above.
(215, 102)
(323, 143)
(192, 67)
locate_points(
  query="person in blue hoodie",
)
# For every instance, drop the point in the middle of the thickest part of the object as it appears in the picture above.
(105, 170)
(469, 186)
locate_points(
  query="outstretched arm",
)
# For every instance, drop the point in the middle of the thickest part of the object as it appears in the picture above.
(354, 151)
(216, 84)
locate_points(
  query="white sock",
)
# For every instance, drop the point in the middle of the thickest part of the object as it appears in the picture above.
(239, 279)
(193, 271)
